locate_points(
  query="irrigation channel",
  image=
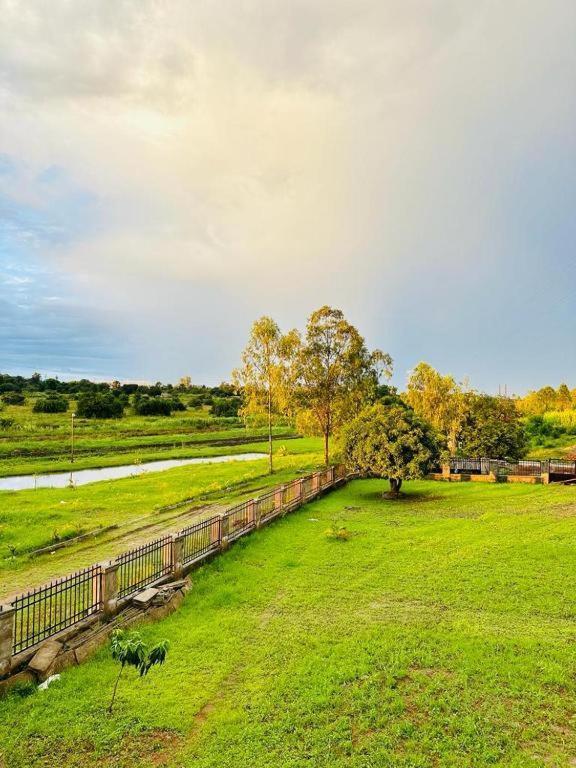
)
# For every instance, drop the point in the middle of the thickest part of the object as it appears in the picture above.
(84, 476)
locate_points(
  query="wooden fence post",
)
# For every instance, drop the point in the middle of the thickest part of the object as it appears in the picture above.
(6, 638)
(110, 589)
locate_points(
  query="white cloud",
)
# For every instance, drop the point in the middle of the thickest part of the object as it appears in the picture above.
(269, 148)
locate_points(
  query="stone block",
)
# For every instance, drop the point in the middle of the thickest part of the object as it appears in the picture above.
(42, 661)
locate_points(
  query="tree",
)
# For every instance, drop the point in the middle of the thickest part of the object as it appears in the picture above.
(336, 373)
(51, 404)
(390, 442)
(129, 650)
(152, 406)
(437, 399)
(99, 405)
(492, 428)
(262, 376)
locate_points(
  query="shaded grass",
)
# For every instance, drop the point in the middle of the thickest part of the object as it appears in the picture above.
(440, 634)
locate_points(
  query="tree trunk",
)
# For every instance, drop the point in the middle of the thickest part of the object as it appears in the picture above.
(271, 468)
(115, 689)
(326, 448)
(395, 485)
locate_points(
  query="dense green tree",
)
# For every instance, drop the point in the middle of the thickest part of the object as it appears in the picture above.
(492, 428)
(390, 442)
(51, 404)
(99, 405)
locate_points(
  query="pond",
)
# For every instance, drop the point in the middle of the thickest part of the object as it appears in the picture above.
(84, 476)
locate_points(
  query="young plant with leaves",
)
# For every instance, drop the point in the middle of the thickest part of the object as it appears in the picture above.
(129, 650)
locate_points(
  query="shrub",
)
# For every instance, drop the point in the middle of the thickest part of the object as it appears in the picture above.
(226, 406)
(13, 398)
(51, 404)
(153, 406)
(176, 404)
(99, 405)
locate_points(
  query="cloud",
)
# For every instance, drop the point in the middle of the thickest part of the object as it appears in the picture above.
(189, 162)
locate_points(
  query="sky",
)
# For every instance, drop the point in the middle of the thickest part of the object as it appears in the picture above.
(172, 170)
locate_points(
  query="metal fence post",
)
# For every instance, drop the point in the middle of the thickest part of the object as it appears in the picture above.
(6, 638)
(110, 588)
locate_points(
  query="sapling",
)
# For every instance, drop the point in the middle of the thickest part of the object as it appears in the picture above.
(129, 650)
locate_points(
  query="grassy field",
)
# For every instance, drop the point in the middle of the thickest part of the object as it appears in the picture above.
(39, 443)
(34, 519)
(440, 634)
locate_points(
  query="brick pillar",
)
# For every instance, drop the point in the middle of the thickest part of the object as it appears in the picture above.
(251, 511)
(110, 589)
(6, 638)
(300, 491)
(446, 471)
(332, 471)
(215, 531)
(225, 532)
(315, 483)
(279, 497)
(178, 556)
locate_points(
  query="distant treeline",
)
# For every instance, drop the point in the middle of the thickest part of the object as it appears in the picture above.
(547, 399)
(108, 399)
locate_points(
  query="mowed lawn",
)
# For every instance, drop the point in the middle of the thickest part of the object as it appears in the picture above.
(442, 633)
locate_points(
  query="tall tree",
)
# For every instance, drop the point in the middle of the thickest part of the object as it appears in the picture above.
(438, 400)
(492, 428)
(262, 376)
(336, 373)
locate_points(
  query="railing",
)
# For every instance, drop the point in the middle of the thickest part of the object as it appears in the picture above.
(47, 610)
(144, 565)
(200, 539)
(240, 519)
(522, 467)
(44, 612)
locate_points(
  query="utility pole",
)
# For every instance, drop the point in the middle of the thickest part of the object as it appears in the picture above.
(72, 451)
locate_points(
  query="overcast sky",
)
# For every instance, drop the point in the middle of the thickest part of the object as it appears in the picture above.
(170, 171)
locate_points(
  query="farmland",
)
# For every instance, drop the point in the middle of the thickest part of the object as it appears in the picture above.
(440, 633)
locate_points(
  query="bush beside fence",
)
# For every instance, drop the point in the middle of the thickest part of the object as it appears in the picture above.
(101, 589)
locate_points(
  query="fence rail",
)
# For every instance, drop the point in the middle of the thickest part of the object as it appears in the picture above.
(522, 467)
(47, 610)
(144, 565)
(200, 539)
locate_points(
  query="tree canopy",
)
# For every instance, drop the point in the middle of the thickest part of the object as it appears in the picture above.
(390, 442)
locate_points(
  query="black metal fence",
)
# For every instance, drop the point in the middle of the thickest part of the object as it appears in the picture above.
(144, 565)
(524, 467)
(200, 539)
(44, 611)
(47, 610)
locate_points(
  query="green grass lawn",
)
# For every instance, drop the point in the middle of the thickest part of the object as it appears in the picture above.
(440, 634)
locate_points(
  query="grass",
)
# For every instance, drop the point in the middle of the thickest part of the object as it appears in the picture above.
(38, 518)
(40, 443)
(441, 633)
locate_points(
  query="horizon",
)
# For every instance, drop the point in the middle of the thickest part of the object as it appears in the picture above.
(168, 174)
